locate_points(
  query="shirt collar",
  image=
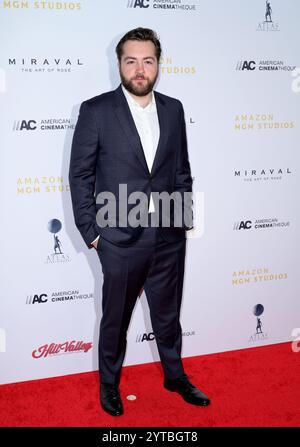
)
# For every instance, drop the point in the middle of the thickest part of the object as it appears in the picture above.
(151, 106)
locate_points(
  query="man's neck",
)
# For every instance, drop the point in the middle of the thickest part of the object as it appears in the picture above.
(143, 101)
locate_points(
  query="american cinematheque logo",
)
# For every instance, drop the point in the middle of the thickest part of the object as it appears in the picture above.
(60, 296)
(269, 65)
(68, 347)
(49, 124)
(149, 336)
(172, 5)
(260, 224)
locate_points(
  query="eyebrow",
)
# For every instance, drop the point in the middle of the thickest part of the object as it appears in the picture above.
(135, 58)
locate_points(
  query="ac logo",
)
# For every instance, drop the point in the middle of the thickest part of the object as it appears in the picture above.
(145, 337)
(27, 125)
(138, 3)
(245, 65)
(243, 225)
(32, 299)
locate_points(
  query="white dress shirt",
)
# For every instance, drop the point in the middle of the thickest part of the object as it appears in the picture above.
(147, 125)
(146, 122)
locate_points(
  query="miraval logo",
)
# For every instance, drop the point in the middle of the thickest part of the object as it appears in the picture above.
(268, 24)
(257, 224)
(45, 124)
(45, 65)
(67, 347)
(255, 175)
(259, 335)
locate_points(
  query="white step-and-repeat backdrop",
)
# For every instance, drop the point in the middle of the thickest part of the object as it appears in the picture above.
(233, 64)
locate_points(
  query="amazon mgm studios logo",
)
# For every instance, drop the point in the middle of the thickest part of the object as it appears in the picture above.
(268, 24)
(259, 334)
(57, 254)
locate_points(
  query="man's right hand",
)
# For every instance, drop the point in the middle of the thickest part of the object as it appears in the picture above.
(96, 242)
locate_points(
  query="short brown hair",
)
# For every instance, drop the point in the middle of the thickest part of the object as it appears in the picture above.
(140, 34)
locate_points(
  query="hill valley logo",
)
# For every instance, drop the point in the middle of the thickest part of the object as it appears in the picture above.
(68, 347)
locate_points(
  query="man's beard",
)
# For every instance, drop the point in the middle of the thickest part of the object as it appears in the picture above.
(139, 90)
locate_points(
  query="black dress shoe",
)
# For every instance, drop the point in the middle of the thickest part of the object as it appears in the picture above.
(110, 399)
(187, 390)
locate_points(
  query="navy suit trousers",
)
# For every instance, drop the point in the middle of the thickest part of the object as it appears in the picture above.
(158, 267)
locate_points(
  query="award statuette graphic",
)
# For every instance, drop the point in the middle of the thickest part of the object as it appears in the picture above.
(268, 24)
(268, 12)
(57, 256)
(259, 334)
(258, 310)
(54, 226)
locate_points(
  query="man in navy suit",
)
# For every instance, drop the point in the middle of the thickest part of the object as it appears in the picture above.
(134, 138)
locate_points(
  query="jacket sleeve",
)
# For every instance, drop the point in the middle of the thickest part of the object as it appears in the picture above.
(183, 178)
(82, 173)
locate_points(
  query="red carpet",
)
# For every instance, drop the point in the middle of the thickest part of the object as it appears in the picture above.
(257, 387)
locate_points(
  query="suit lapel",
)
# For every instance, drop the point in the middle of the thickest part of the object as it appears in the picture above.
(126, 120)
(163, 122)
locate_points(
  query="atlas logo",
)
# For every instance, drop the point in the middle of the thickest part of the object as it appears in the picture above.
(259, 334)
(138, 3)
(245, 65)
(24, 125)
(268, 24)
(145, 337)
(242, 225)
(33, 299)
(54, 226)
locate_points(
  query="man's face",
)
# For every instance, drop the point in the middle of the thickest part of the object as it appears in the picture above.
(138, 67)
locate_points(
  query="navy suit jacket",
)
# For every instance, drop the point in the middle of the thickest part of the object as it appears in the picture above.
(107, 152)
